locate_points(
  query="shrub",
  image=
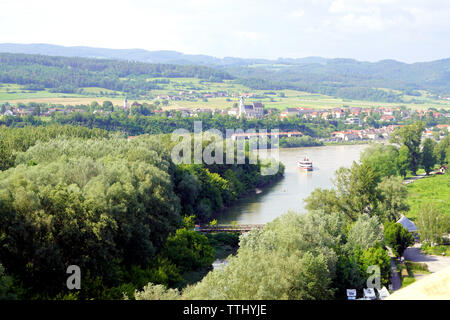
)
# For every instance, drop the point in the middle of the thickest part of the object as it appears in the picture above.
(397, 237)
(188, 250)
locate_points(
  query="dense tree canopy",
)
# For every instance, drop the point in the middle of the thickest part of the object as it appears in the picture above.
(94, 203)
(428, 156)
(382, 157)
(410, 136)
(393, 195)
(304, 257)
(360, 190)
(442, 151)
(397, 237)
(13, 140)
(69, 74)
(431, 224)
(72, 195)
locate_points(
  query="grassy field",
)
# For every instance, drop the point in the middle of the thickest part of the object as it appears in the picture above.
(409, 269)
(281, 99)
(16, 93)
(436, 250)
(410, 175)
(435, 189)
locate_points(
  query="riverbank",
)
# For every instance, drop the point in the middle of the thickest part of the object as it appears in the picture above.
(288, 193)
(345, 143)
(224, 244)
(259, 190)
(324, 142)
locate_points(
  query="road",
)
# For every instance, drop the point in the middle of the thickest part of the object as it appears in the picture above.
(435, 263)
(412, 179)
(395, 278)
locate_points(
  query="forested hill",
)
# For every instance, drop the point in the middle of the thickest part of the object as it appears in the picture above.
(348, 78)
(159, 56)
(70, 73)
(386, 80)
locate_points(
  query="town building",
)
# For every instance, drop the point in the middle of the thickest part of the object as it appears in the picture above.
(125, 104)
(255, 110)
(353, 121)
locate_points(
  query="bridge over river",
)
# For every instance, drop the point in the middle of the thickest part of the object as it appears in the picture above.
(241, 228)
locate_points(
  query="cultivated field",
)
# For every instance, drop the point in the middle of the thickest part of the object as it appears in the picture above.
(279, 99)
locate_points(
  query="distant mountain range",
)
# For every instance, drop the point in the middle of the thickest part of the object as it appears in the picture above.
(141, 55)
(346, 78)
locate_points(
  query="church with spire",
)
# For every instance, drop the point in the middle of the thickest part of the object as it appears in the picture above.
(125, 104)
(250, 111)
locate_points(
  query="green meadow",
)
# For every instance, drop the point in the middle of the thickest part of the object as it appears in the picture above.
(279, 99)
(433, 189)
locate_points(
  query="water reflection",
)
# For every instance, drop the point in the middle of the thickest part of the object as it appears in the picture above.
(288, 194)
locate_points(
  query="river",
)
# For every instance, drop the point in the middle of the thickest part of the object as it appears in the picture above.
(289, 192)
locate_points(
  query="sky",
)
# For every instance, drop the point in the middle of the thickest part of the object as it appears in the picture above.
(368, 30)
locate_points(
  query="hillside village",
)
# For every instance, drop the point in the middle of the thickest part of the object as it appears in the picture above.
(376, 122)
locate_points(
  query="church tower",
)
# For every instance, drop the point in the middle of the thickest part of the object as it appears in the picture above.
(241, 107)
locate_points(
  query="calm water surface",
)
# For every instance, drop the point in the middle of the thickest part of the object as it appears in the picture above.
(288, 193)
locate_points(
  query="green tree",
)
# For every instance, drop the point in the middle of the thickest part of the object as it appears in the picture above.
(410, 136)
(323, 199)
(382, 157)
(102, 204)
(250, 275)
(213, 223)
(431, 224)
(37, 111)
(393, 194)
(403, 161)
(442, 150)
(397, 237)
(376, 256)
(6, 286)
(357, 190)
(293, 257)
(314, 280)
(94, 105)
(348, 275)
(188, 250)
(6, 156)
(365, 233)
(428, 159)
(107, 105)
(189, 222)
(157, 292)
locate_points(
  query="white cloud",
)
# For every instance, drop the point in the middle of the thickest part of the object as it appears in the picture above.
(362, 23)
(250, 35)
(365, 29)
(298, 13)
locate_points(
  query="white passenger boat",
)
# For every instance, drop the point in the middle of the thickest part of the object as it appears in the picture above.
(305, 164)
